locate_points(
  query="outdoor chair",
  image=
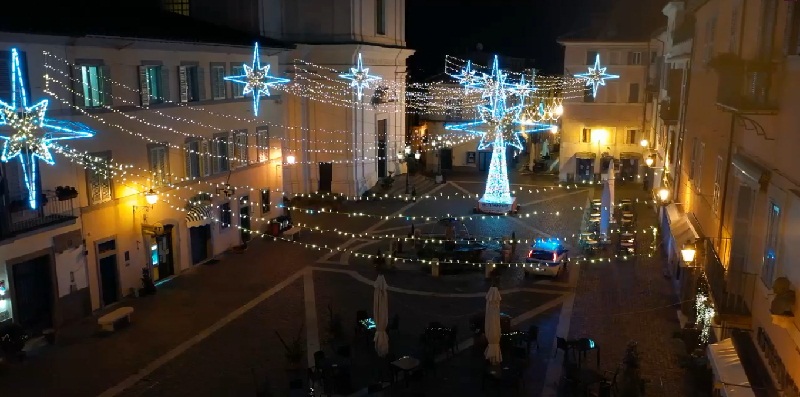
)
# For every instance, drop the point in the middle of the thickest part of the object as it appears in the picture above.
(532, 338)
(452, 340)
(562, 345)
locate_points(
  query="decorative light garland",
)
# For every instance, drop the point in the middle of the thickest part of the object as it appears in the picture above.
(256, 80)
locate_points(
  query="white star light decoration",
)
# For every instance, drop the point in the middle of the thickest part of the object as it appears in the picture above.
(19, 125)
(468, 77)
(359, 77)
(256, 80)
(596, 76)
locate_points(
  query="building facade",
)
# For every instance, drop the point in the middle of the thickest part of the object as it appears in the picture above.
(165, 122)
(612, 124)
(737, 176)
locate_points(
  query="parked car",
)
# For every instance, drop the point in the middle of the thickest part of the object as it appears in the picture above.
(547, 258)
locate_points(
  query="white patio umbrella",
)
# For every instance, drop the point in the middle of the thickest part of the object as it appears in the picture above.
(491, 326)
(607, 201)
(380, 309)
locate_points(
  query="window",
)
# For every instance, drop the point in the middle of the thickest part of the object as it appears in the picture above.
(771, 246)
(613, 58)
(95, 88)
(217, 81)
(734, 34)
(262, 143)
(265, 201)
(718, 175)
(380, 16)
(693, 160)
(152, 89)
(5, 74)
(633, 93)
(98, 178)
(611, 90)
(634, 58)
(630, 137)
(177, 6)
(193, 150)
(591, 56)
(586, 135)
(791, 39)
(240, 158)
(588, 95)
(220, 153)
(698, 175)
(711, 27)
(237, 90)
(653, 57)
(225, 215)
(191, 83)
(158, 155)
(767, 34)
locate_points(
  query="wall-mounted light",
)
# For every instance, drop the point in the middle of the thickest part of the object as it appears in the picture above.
(648, 161)
(151, 197)
(554, 129)
(663, 195)
(417, 155)
(644, 143)
(290, 159)
(688, 251)
(226, 190)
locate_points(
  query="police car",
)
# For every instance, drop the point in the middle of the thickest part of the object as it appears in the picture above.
(546, 258)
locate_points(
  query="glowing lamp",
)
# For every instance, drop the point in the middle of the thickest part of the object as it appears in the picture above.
(290, 159)
(599, 136)
(649, 161)
(688, 251)
(644, 143)
(408, 150)
(663, 194)
(417, 155)
(554, 129)
(559, 110)
(151, 197)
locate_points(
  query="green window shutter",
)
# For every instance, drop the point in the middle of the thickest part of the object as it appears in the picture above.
(201, 83)
(187, 160)
(183, 84)
(144, 89)
(231, 161)
(205, 158)
(165, 84)
(105, 84)
(78, 96)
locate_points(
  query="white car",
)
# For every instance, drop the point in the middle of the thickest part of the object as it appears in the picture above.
(546, 258)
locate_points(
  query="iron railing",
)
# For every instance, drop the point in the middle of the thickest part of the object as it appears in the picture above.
(731, 289)
(22, 218)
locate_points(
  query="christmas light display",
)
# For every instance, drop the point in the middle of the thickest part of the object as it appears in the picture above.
(596, 76)
(468, 77)
(256, 80)
(31, 133)
(359, 77)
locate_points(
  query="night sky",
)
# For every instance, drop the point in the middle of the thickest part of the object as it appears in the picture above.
(517, 28)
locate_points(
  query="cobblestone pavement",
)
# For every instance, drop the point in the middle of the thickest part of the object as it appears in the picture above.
(631, 300)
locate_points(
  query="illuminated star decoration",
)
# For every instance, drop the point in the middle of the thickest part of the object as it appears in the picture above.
(359, 77)
(596, 76)
(24, 122)
(496, 129)
(468, 77)
(256, 79)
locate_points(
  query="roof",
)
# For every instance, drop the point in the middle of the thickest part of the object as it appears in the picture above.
(91, 18)
(628, 21)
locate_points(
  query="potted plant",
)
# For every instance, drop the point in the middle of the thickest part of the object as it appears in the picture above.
(294, 351)
(66, 193)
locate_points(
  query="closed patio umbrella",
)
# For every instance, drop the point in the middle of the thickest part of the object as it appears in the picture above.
(380, 309)
(492, 326)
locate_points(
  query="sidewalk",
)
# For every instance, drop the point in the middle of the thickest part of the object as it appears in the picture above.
(631, 300)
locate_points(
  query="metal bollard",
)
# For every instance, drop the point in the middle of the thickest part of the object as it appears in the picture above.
(435, 268)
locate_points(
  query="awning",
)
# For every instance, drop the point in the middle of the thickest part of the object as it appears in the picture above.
(630, 155)
(198, 215)
(728, 370)
(585, 155)
(749, 169)
(680, 227)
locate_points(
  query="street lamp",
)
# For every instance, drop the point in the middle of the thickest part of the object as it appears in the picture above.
(644, 143)
(290, 159)
(151, 197)
(649, 161)
(663, 195)
(417, 155)
(688, 251)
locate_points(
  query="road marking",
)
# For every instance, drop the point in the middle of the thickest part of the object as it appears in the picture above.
(538, 310)
(455, 185)
(186, 345)
(408, 228)
(312, 326)
(553, 197)
(356, 275)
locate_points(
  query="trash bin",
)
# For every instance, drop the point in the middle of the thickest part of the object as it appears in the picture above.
(275, 229)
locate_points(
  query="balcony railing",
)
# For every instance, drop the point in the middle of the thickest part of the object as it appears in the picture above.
(731, 290)
(20, 218)
(669, 111)
(747, 87)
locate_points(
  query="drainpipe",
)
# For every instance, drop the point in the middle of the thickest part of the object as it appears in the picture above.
(682, 128)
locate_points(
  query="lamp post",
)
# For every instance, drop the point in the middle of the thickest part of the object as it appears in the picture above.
(663, 195)
(402, 158)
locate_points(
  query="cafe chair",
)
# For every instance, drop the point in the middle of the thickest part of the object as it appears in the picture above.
(532, 338)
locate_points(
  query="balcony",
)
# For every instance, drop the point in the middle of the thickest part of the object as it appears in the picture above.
(668, 112)
(745, 87)
(730, 290)
(684, 31)
(18, 218)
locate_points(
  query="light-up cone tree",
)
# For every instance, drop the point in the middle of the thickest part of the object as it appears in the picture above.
(496, 128)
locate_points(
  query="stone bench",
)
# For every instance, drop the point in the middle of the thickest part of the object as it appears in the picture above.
(107, 321)
(293, 233)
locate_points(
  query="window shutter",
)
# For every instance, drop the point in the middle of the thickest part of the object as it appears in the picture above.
(205, 159)
(187, 160)
(231, 161)
(144, 89)
(105, 83)
(76, 77)
(201, 83)
(164, 164)
(630, 57)
(165, 84)
(183, 84)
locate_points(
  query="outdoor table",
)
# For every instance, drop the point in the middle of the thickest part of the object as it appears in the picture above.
(595, 215)
(406, 364)
(627, 215)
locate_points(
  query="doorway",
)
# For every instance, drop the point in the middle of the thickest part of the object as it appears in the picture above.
(325, 177)
(446, 159)
(742, 224)
(629, 169)
(108, 271)
(381, 155)
(584, 171)
(162, 264)
(33, 286)
(244, 219)
(200, 237)
(484, 159)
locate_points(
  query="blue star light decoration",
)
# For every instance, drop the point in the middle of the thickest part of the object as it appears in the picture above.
(468, 77)
(256, 80)
(28, 133)
(497, 130)
(596, 76)
(359, 77)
